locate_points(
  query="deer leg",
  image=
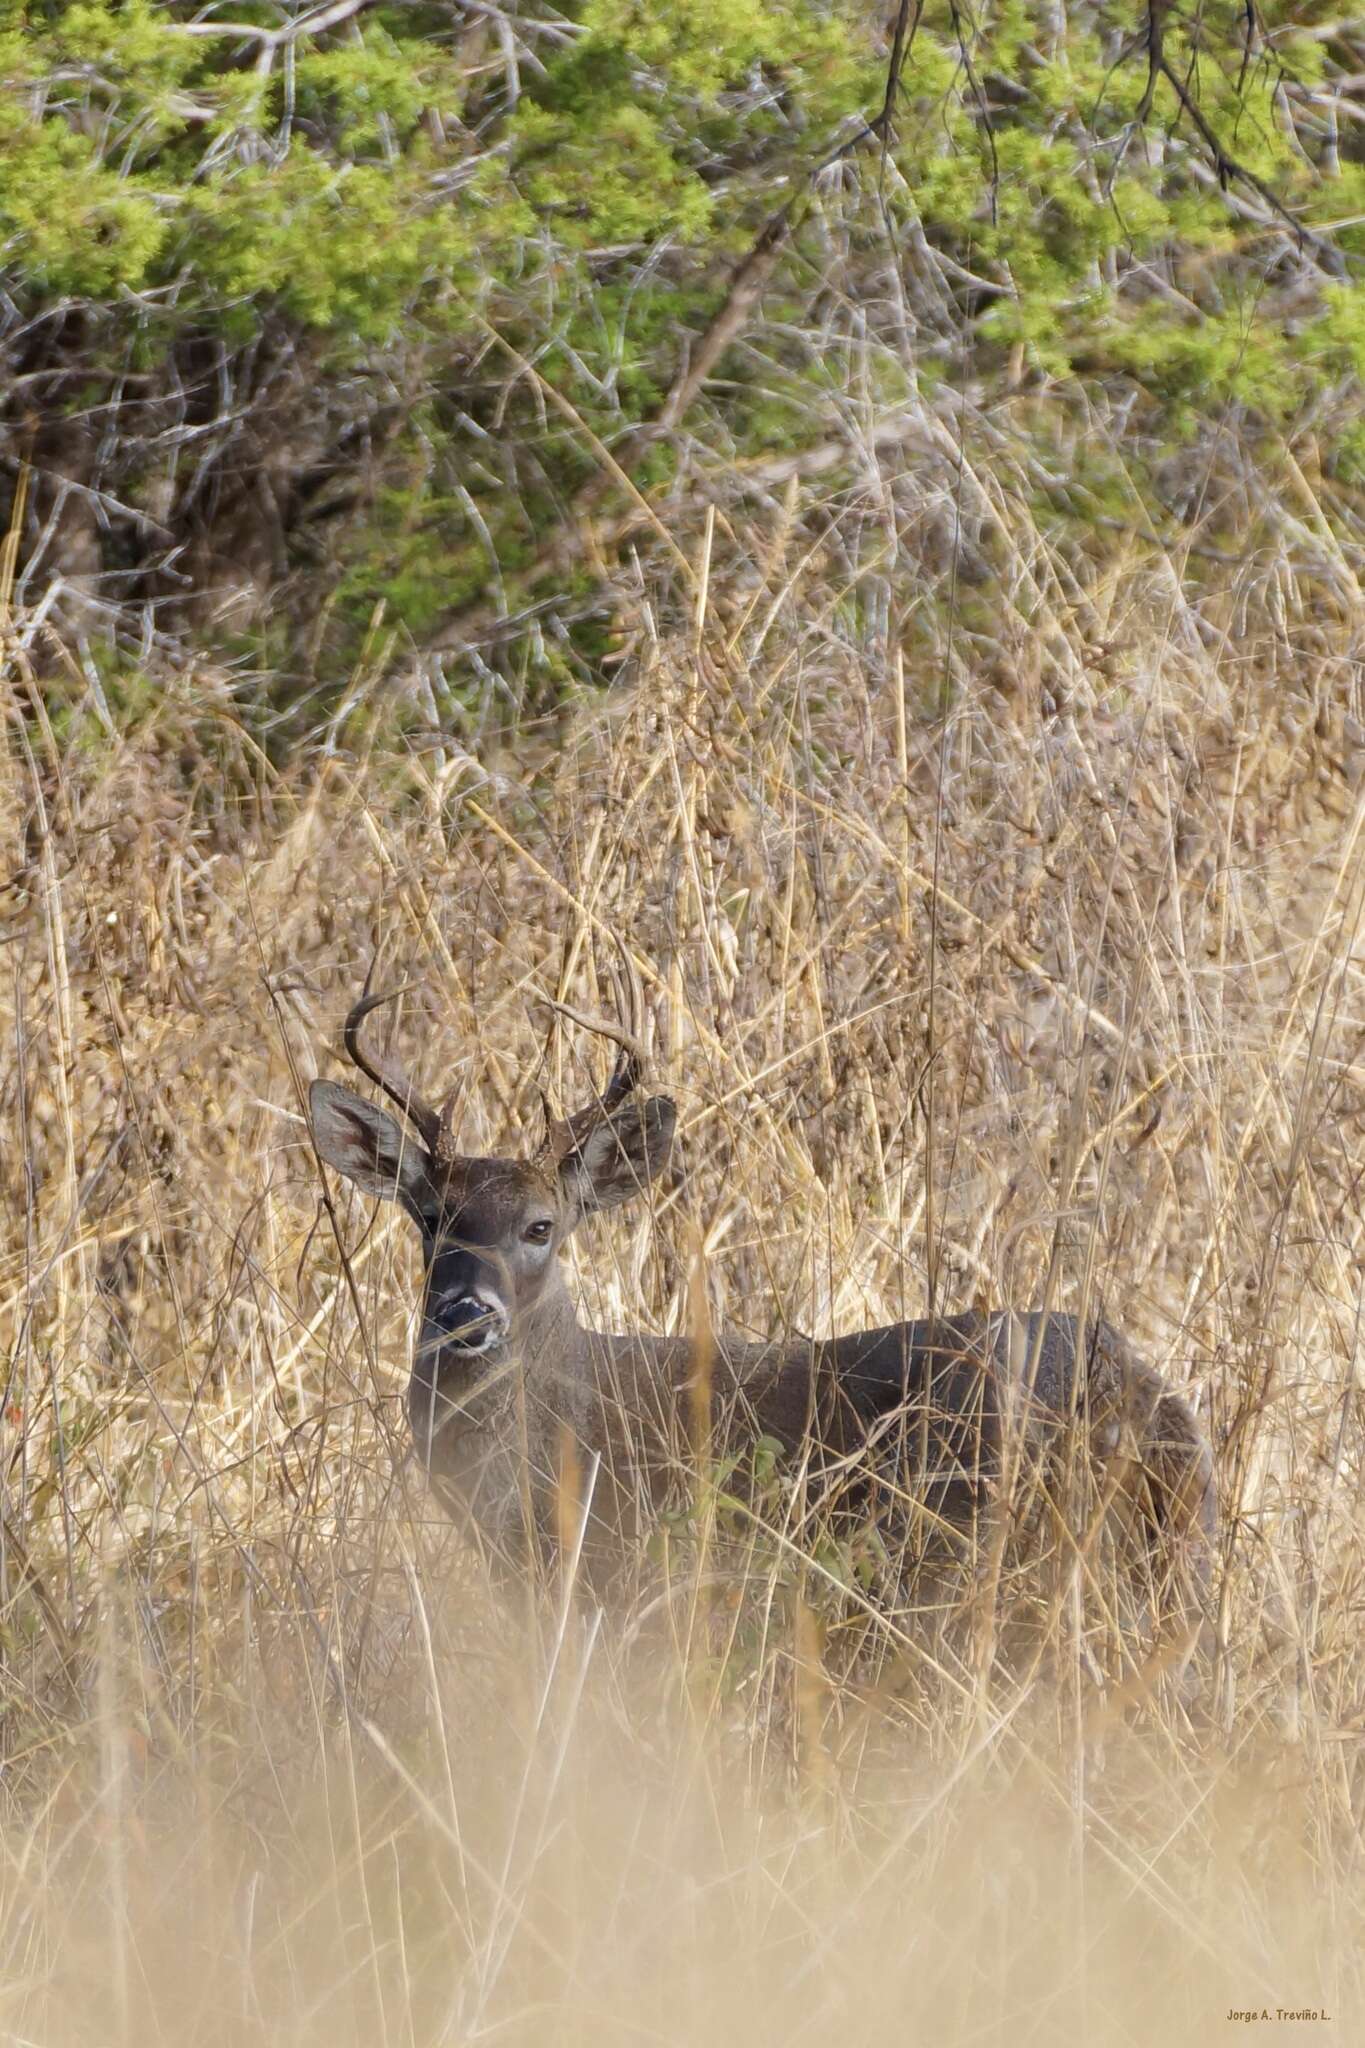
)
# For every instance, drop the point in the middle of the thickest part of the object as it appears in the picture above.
(1179, 1511)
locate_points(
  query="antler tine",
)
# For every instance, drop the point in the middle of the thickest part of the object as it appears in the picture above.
(627, 1032)
(603, 1027)
(431, 1124)
(625, 1075)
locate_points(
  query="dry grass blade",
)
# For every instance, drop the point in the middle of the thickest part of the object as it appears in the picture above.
(284, 1761)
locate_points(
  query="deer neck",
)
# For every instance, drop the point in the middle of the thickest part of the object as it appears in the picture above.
(553, 1349)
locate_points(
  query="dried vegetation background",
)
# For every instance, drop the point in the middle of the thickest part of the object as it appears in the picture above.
(1024, 966)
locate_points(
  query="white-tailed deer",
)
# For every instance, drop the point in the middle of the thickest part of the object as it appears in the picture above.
(909, 1426)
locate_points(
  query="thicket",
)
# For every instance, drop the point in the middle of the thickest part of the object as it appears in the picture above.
(353, 334)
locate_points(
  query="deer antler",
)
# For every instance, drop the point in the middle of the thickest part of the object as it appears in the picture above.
(563, 1135)
(432, 1125)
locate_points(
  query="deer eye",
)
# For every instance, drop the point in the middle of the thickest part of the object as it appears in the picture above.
(538, 1232)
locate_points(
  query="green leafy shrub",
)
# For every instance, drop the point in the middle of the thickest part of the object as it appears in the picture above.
(293, 242)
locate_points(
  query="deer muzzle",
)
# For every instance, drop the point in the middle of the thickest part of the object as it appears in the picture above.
(466, 1322)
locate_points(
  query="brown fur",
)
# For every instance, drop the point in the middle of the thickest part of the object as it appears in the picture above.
(916, 1424)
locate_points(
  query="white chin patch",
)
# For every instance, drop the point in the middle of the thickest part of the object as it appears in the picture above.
(489, 1341)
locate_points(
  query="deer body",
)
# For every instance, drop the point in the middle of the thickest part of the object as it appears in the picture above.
(939, 1395)
(913, 1425)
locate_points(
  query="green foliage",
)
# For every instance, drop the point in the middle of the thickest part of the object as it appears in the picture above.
(345, 247)
(1057, 199)
(316, 187)
(82, 230)
(612, 180)
(377, 192)
(366, 93)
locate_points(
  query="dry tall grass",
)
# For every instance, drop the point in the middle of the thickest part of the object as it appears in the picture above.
(1058, 995)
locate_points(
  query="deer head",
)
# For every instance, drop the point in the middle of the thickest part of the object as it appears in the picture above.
(491, 1227)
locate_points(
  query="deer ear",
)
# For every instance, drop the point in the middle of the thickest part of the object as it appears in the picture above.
(620, 1154)
(364, 1142)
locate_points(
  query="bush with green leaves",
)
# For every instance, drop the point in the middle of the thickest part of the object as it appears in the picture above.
(334, 306)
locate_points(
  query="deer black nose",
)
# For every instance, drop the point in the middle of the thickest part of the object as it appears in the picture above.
(470, 1321)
